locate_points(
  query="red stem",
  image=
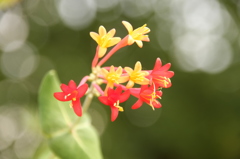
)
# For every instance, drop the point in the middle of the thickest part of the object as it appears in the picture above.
(121, 44)
(84, 80)
(95, 59)
(98, 88)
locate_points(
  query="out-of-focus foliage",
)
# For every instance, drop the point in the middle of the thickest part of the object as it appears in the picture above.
(68, 135)
(200, 116)
(44, 152)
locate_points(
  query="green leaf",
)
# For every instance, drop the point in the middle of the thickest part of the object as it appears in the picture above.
(43, 152)
(69, 136)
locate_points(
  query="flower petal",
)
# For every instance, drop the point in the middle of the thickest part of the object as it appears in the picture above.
(119, 70)
(158, 64)
(104, 72)
(130, 40)
(61, 96)
(135, 92)
(102, 31)
(72, 85)
(165, 67)
(118, 90)
(145, 81)
(139, 43)
(110, 91)
(123, 79)
(76, 105)
(114, 113)
(111, 33)
(144, 87)
(159, 93)
(146, 38)
(146, 73)
(103, 99)
(128, 70)
(156, 104)
(170, 74)
(65, 88)
(137, 105)
(138, 67)
(130, 84)
(113, 41)
(112, 69)
(128, 26)
(95, 36)
(168, 85)
(145, 29)
(124, 96)
(82, 90)
(101, 51)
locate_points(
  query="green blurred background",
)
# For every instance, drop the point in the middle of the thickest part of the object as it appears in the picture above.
(200, 117)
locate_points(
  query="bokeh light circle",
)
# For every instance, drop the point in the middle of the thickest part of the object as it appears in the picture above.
(143, 116)
(99, 117)
(19, 63)
(16, 131)
(77, 14)
(136, 8)
(8, 131)
(210, 54)
(13, 29)
(103, 5)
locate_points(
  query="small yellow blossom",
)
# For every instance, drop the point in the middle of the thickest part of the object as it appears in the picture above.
(136, 75)
(7, 3)
(113, 76)
(137, 35)
(104, 39)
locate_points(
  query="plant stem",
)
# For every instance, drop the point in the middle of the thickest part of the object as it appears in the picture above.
(88, 99)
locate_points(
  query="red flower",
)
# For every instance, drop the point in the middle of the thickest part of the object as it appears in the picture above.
(148, 95)
(73, 93)
(113, 98)
(160, 76)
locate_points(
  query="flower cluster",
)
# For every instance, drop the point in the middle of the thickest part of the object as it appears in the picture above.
(119, 82)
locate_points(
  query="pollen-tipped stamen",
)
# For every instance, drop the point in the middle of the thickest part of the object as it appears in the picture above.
(117, 106)
(163, 80)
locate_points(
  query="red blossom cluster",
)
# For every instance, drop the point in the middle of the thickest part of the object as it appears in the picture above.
(115, 92)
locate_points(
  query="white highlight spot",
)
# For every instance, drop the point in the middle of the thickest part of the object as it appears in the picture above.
(77, 14)
(19, 63)
(209, 54)
(144, 116)
(13, 29)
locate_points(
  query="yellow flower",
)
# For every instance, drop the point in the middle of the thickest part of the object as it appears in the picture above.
(104, 39)
(137, 35)
(7, 3)
(114, 76)
(136, 75)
